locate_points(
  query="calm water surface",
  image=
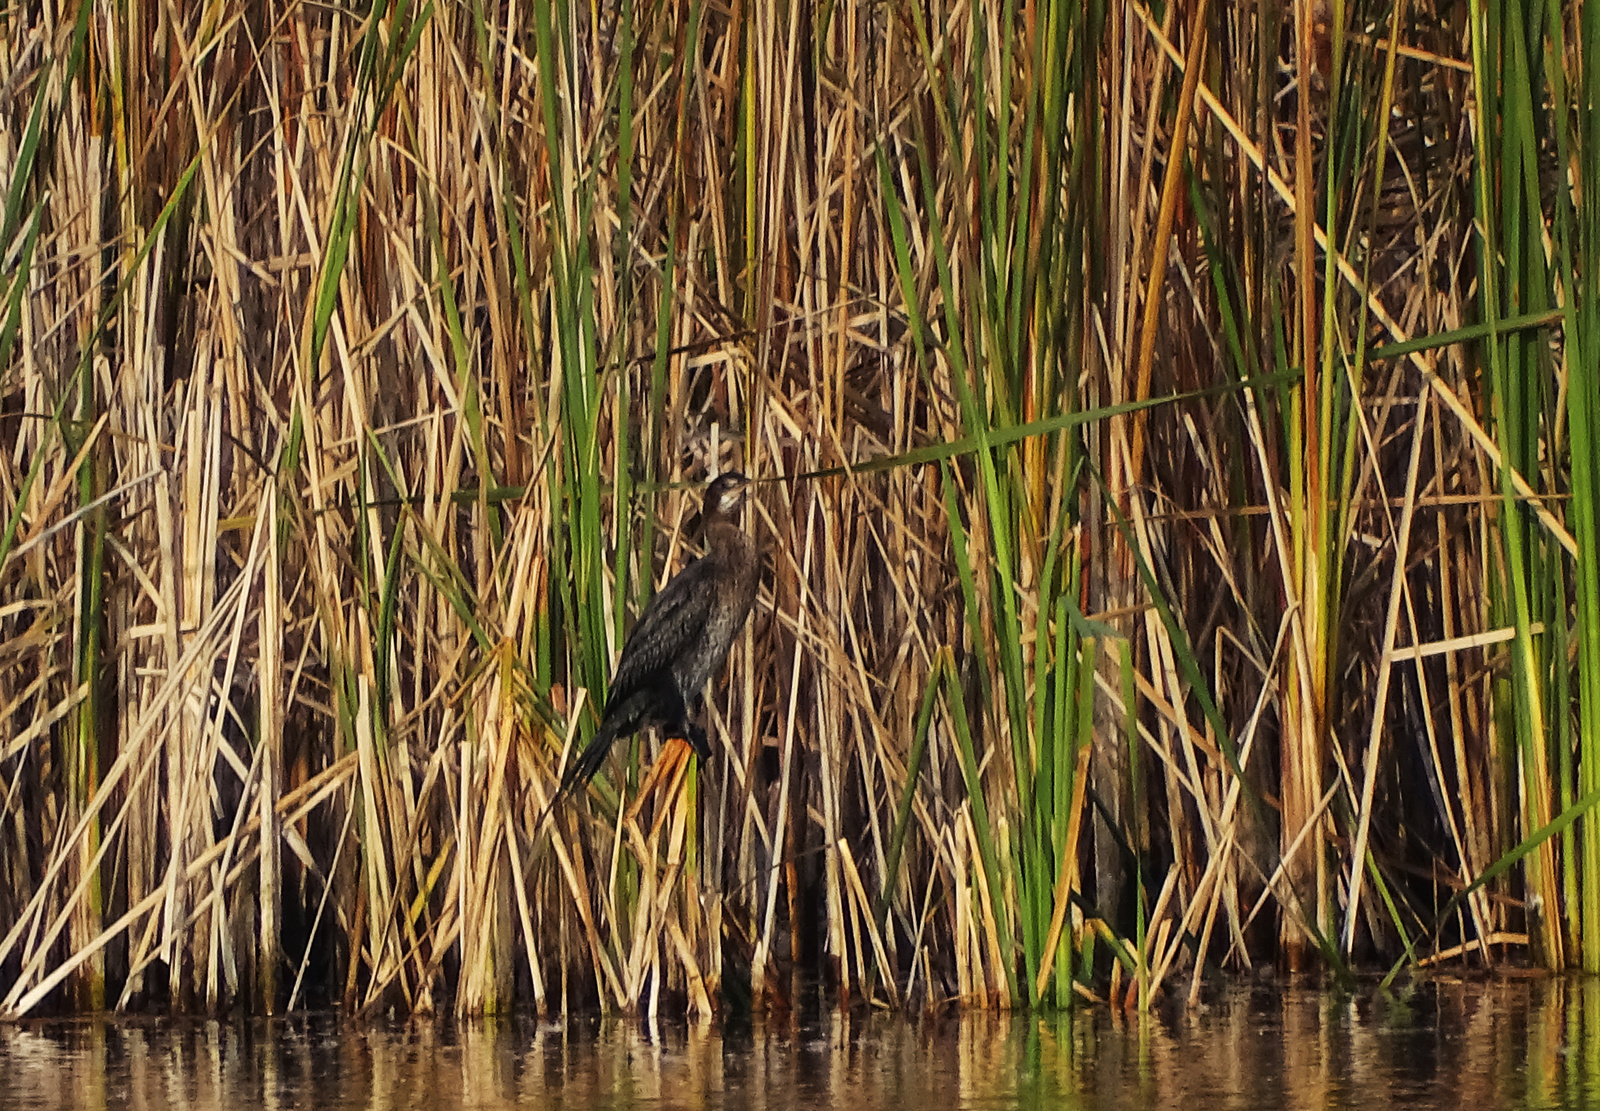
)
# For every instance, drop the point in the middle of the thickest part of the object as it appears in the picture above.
(1474, 1044)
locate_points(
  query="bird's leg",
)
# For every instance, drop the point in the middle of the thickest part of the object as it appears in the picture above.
(697, 741)
(683, 726)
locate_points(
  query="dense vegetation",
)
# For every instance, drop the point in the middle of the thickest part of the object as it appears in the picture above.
(1178, 434)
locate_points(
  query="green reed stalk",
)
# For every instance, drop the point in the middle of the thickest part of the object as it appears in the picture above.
(83, 755)
(84, 752)
(16, 195)
(955, 699)
(631, 883)
(1333, 423)
(1306, 685)
(902, 819)
(1076, 696)
(377, 73)
(17, 282)
(359, 723)
(1141, 843)
(543, 633)
(1360, 863)
(466, 382)
(622, 267)
(999, 368)
(655, 440)
(578, 557)
(1518, 405)
(1579, 249)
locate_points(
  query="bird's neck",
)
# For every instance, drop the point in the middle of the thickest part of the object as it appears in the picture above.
(721, 534)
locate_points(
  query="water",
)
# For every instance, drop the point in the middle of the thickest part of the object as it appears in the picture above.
(1479, 1044)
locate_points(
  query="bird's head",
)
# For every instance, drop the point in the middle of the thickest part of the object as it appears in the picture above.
(725, 494)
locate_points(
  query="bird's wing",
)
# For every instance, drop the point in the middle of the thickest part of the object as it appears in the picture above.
(671, 620)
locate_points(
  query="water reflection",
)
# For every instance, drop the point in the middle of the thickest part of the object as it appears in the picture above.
(1501, 1042)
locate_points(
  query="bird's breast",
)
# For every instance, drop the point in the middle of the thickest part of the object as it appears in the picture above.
(735, 594)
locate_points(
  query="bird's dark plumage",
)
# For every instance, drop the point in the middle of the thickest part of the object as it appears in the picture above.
(682, 636)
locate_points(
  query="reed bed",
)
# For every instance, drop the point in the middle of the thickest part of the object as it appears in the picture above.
(1177, 440)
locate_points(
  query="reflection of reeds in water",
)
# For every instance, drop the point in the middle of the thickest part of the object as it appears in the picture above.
(1480, 1042)
(355, 367)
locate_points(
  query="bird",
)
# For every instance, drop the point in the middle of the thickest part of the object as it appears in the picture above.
(682, 637)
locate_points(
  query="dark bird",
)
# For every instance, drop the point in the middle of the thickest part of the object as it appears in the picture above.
(682, 637)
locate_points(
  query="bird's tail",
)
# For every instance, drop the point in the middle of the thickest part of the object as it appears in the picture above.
(619, 721)
(582, 769)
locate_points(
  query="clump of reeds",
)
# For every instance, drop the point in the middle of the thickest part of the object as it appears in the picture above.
(1183, 557)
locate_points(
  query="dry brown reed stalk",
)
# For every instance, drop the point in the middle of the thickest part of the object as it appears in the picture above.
(401, 339)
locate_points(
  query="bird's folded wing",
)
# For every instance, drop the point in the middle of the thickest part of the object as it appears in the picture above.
(673, 619)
